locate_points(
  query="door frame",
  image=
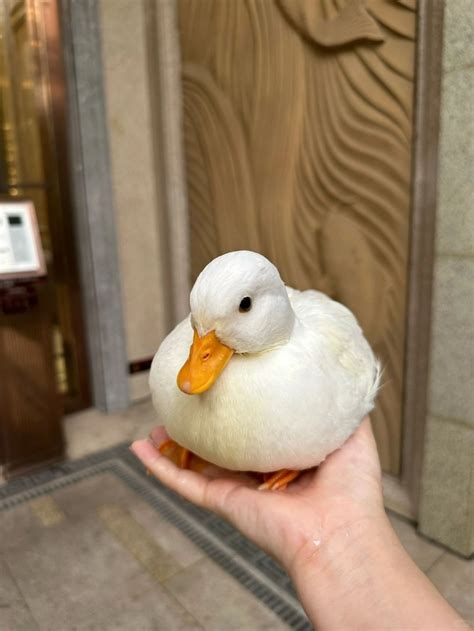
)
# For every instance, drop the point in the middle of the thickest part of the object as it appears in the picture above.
(401, 492)
(52, 108)
(40, 23)
(94, 211)
(421, 260)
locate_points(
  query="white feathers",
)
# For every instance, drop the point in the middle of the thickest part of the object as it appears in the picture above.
(288, 407)
(218, 291)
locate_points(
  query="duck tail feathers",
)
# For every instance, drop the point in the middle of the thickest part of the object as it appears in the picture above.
(376, 383)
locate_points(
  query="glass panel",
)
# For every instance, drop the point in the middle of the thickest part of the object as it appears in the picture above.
(22, 172)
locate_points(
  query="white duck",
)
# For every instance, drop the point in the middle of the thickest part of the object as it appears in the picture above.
(280, 378)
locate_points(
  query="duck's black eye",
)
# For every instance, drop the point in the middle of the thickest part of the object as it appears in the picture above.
(245, 304)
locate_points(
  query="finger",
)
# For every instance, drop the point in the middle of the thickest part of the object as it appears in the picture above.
(158, 435)
(213, 472)
(212, 494)
(365, 428)
(365, 435)
(191, 485)
(303, 482)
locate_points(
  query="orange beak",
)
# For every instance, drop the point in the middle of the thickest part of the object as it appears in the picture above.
(207, 359)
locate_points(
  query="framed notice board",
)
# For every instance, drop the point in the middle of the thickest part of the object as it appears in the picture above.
(21, 254)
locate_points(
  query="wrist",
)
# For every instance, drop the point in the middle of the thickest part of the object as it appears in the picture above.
(337, 540)
(337, 570)
(361, 577)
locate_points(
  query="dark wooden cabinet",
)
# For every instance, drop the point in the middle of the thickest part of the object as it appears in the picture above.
(30, 407)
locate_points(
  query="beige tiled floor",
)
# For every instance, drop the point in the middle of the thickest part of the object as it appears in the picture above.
(167, 583)
(218, 602)
(77, 574)
(453, 576)
(93, 430)
(93, 555)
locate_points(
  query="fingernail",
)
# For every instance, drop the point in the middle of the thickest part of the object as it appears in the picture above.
(152, 442)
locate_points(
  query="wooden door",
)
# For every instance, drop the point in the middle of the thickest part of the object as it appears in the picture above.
(298, 141)
(30, 410)
(34, 165)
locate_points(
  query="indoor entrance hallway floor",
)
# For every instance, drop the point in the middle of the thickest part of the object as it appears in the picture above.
(95, 544)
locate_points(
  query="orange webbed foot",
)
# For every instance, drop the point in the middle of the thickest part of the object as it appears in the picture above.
(278, 480)
(179, 455)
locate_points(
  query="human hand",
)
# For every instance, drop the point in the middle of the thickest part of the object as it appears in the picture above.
(342, 494)
(328, 529)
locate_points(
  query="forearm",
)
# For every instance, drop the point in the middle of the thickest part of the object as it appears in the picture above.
(361, 578)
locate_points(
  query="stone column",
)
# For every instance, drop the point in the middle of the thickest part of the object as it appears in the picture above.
(447, 498)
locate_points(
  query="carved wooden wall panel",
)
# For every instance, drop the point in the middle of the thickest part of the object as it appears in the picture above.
(298, 124)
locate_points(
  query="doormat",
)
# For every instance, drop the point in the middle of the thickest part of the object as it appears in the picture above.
(235, 554)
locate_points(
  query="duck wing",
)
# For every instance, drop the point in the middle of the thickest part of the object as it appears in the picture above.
(346, 345)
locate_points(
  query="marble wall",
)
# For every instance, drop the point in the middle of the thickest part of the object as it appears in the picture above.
(135, 179)
(447, 504)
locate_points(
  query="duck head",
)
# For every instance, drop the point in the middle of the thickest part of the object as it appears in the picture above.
(239, 304)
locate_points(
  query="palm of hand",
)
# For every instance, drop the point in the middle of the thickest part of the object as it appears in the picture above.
(344, 490)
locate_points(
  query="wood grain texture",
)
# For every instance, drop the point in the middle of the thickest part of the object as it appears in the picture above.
(30, 409)
(298, 128)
